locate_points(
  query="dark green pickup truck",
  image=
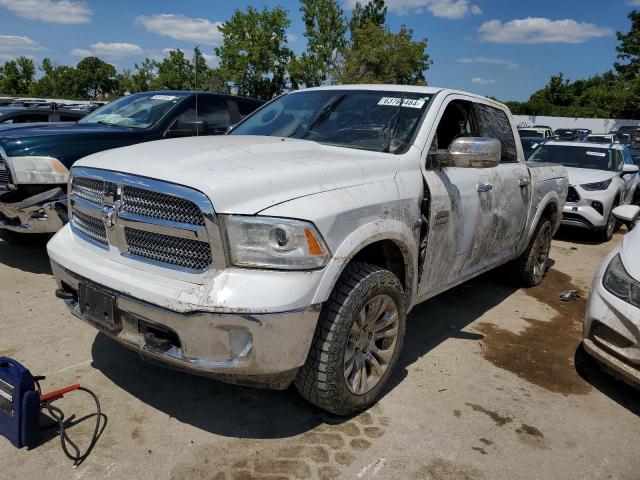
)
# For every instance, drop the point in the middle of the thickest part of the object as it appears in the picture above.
(35, 158)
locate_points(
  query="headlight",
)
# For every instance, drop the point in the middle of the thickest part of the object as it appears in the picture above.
(597, 185)
(279, 243)
(38, 170)
(617, 281)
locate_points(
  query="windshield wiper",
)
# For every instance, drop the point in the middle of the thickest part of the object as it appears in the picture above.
(324, 114)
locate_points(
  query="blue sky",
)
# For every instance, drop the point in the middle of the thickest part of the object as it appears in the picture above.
(503, 48)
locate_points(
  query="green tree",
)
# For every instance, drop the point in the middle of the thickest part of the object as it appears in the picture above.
(254, 55)
(174, 73)
(374, 11)
(376, 55)
(16, 76)
(325, 31)
(629, 48)
(95, 78)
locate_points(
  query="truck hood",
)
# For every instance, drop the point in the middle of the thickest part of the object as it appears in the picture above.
(629, 252)
(580, 176)
(247, 174)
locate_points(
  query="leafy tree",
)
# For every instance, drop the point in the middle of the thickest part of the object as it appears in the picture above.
(629, 48)
(325, 31)
(376, 55)
(254, 54)
(374, 11)
(95, 78)
(174, 73)
(17, 75)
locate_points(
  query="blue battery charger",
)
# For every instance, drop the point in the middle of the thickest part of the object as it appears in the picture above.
(19, 404)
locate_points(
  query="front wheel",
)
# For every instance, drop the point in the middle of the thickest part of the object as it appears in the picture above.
(357, 341)
(612, 225)
(531, 266)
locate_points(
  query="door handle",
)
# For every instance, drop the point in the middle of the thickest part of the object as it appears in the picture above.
(484, 187)
(524, 182)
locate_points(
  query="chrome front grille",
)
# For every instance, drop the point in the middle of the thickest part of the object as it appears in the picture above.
(190, 254)
(90, 227)
(162, 224)
(89, 189)
(161, 206)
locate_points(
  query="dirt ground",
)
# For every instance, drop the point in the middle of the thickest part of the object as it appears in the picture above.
(491, 385)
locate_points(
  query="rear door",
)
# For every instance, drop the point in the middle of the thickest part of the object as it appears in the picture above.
(511, 185)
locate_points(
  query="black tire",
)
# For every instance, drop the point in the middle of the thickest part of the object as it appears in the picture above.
(322, 379)
(531, 267)
(24, 238)
(606, 234)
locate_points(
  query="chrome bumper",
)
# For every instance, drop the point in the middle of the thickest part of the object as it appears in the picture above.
(42, 213)
(255, 349)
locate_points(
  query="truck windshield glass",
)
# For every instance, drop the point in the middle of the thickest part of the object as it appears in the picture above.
(362, 119)
(598, 139)
(137, 111)
(531, 133)
(578, 157)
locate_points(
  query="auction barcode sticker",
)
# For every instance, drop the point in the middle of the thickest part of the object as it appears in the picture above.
(163, 97)
(597, 154)
(407, 102)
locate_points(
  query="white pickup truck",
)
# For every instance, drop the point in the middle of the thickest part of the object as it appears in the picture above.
(293, 248)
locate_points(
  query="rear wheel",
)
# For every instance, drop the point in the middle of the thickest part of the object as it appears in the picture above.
(531, 266)
(357, 341)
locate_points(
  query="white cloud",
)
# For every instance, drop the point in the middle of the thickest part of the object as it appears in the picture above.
(510, 64)
(452, 9)
(52, 11)
(540, 30)
(179, 27)
(633, 3)
(80, 52)
(108, 50)
(483, 81)
(12, 46)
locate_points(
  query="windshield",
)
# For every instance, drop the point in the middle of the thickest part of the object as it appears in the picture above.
(362, 119)
(137, 111)
(531, 133)
(529, 145)
(598, 139)
(579, 157)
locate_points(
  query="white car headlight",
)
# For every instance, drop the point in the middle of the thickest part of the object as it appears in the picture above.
(277, 243)
(617, 281)
(30, 170)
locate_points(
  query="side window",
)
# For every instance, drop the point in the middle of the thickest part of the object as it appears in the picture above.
(457, 121)
(494, 123)
(68, 118)
(212, 118)
(31, 118)
(245, 107)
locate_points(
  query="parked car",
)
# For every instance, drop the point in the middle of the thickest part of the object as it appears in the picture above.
(565, 134)
(35, 159)
(582, 133)
(612, 324)
(542, 132)
(529, 144)
(599, 181)
(293, 248)
(602, 138)
(633, 131)
(12, 115)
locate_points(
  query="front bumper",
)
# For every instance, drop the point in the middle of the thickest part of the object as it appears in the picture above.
(612, 331)
(42, 213)
(257, 349)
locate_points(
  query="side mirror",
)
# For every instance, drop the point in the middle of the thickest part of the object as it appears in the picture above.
(627, 214)
(628, 169)
(188, 129)
(472, 152)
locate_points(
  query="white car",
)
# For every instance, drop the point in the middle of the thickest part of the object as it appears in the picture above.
(612, 323)
(292, 248)
(599, 181)
(535, 131)
(602, 138)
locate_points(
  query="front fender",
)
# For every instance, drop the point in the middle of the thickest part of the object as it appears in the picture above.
(389, 229)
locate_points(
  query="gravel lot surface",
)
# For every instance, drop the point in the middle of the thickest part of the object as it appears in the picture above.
(491, 385)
